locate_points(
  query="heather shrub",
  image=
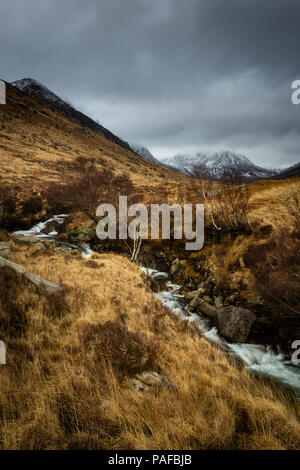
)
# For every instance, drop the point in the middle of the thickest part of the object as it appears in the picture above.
(32, 205)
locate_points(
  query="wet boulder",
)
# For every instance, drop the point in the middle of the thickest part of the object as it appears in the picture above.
(80, 228)
(235, 323)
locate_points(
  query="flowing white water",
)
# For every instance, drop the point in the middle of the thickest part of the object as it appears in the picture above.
(86, 251)
(258, 358)
(38, 231)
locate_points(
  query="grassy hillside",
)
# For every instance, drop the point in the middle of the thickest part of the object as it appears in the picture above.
(67, 382)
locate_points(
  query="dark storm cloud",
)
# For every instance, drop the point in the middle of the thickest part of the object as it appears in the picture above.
(175, 75)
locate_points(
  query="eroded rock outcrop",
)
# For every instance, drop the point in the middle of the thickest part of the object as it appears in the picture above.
(4, 249)
(49, 286)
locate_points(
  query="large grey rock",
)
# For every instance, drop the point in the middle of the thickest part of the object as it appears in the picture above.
(50, 287)
(235, 323)
(2, 353)
(160, 276)
(4, 249)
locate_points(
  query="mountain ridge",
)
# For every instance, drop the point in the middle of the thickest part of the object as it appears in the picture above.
(39, 91)
(216, 165)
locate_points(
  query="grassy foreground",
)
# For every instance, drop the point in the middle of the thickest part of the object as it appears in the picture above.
(70, 357)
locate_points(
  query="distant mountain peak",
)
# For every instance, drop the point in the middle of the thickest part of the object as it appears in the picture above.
(217, 164)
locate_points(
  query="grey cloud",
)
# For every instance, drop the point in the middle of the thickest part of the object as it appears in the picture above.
(174, 75)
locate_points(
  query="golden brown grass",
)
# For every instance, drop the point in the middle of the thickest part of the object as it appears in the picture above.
(59, 390)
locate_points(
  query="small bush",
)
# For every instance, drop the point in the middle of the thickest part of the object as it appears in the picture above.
(8, 202)
(33, 205)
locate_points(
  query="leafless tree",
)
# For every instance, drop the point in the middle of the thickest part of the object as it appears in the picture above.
(203, 172)
(227, 205)
(135, 246)
(233, 201)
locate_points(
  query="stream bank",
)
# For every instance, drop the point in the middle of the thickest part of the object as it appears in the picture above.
(260, 359)
(189, 290)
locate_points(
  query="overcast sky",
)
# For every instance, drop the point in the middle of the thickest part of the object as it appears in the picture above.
(175, 75)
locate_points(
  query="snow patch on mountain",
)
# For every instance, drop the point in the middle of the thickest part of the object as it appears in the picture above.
(217, 164)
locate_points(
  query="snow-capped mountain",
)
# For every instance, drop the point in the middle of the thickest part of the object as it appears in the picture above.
(144, 152)
(215, 165)
(44, 95)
